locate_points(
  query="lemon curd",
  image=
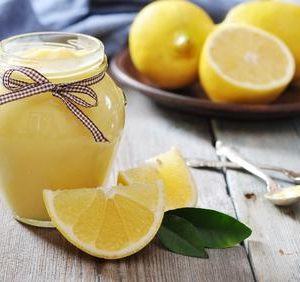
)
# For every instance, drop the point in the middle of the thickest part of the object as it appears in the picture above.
(42, 143)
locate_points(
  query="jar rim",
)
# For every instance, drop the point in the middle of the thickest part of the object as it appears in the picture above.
(11, 47)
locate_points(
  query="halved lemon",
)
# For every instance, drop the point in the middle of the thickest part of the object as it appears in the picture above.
(107, 224)
(281, 18)
(179, 186)
(244, 64)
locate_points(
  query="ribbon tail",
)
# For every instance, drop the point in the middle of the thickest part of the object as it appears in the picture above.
(89, 124)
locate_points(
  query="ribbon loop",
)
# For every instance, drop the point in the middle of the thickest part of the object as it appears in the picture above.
(64, 91)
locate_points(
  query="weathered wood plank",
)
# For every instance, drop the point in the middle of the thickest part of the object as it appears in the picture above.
(43, 255)
(33, 254)
(158, 265)
(274, 247)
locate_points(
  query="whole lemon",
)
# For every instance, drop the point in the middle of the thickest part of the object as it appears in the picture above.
(165, 41)
(280, 18)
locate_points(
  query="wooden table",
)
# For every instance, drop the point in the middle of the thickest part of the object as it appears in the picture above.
(272, 253)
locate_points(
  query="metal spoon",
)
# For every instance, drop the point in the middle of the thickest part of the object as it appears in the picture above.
(215, 164)
(276, 195)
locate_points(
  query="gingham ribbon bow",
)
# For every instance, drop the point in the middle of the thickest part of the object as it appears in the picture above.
(21, 89)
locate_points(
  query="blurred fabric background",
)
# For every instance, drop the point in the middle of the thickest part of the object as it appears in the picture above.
(107, 19)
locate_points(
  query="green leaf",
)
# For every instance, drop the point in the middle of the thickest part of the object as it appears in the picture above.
(180, 236)
(188, 231)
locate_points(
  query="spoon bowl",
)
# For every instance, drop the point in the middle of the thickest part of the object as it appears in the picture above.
(276, 195)
(284, 197)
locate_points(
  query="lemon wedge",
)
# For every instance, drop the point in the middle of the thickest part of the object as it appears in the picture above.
(104, 223)
(244, 64)
(179, 187)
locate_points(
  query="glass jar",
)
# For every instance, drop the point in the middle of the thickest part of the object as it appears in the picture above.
(43, 145)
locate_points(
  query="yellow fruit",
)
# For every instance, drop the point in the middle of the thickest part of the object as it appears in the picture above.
(108, 224)
(280, 18)
(180, 189)
(146, 173)
(244, 64)
(165, 41)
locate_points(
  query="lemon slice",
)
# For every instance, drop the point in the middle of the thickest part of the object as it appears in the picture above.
(244, 64)
(180, 189)
(107, 224)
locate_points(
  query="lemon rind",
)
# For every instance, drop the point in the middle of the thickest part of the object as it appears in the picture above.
(68, 233)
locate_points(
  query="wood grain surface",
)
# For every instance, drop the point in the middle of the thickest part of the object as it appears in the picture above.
(274, 247)
(271, 253)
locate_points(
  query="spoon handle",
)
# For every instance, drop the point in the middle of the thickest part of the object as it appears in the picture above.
(216, 164)
(201, 163)
(233, 156)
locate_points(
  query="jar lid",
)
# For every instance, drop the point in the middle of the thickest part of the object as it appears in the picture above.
(53, 53)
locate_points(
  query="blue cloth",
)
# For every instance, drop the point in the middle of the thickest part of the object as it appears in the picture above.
(107, 19)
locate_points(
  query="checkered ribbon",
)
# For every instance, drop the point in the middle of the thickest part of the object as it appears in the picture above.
(64, 91)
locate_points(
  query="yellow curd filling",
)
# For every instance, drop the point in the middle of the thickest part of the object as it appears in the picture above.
(43, 145)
